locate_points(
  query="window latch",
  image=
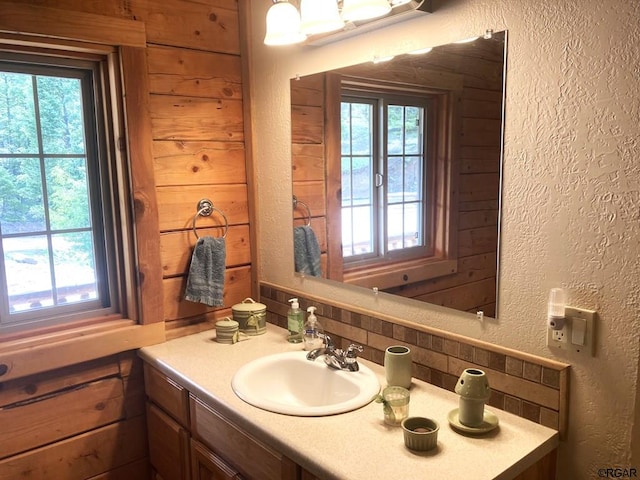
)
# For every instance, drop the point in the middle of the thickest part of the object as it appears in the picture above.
(379, 179)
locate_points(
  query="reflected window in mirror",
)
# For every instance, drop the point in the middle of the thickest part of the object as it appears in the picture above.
(388, 194)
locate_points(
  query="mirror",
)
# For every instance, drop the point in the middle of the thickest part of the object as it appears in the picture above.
(397, 173)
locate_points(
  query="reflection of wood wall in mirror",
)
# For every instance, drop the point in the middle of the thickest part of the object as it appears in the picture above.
(477, 69)
(307, 125)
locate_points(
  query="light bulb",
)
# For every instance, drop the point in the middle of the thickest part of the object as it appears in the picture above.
(283, 25)
(320, 16)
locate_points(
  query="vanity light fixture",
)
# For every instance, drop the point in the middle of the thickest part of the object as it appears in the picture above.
(292, 21)
(356, 10)
(283, 24)
(320, 16)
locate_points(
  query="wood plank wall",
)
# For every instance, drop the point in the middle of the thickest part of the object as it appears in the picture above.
(79, 422)
(87, 421)
(477, 70)
(307, 157)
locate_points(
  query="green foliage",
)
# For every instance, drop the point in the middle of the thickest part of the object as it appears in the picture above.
(58, 103)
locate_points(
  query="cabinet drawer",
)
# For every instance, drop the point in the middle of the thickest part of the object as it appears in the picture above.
(166, 393)
(168, 445)
(206, 465)
(251, 457)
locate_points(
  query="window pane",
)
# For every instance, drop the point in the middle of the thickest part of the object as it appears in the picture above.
(412, 235)
(395, 130)
(61, 118)
(395, 226)
(395, 179)
(67, 193)
(357, 232)
(345, 128)
(74, 266)
(362, 177)
(21, 203)
(412, 140)
(28, 273)
(413, 179)
(361, 128)
(347, 198)
(17, 114)
(404, 226)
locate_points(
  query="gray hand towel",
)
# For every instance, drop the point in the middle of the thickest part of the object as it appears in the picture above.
(205, 283)
(306, 251)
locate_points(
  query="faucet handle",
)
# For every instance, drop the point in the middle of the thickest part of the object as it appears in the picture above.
(328, 344)
(353, 350)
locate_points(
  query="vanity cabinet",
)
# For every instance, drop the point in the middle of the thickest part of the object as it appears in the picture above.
(192, 439)
(188, 439)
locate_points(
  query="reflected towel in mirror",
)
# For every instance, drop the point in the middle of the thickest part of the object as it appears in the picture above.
(205, 283)
(306, 251)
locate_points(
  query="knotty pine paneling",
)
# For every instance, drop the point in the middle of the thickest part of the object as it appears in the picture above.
(307, 162)
(308, 157)
(188, 163)
(307, 124)
(178, 205)
(176, 247)
(208, 26)
(197, 118)
(83, 456)
(191, 118)
(237, 287)
(68, 413)
(178, 71)
(40, 411)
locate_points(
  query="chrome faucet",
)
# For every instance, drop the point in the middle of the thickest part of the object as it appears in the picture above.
(336, 357)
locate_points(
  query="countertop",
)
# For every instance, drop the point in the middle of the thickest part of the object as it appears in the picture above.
(354, 445)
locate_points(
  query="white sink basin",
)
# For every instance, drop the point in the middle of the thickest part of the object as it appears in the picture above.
(289, 383)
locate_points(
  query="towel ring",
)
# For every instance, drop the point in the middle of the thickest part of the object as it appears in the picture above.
(297, 202)
(205, 209)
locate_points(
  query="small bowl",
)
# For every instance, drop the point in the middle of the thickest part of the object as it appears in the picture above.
(420, 433)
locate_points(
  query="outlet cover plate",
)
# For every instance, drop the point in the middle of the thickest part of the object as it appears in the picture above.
(561, 339)
(589, 340)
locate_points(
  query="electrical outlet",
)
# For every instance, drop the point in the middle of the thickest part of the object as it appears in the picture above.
(578, 333)
(557, 338)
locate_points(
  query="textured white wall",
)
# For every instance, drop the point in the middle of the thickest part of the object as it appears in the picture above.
(571, 199)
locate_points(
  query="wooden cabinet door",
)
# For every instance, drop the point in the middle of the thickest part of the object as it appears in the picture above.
(254, 459)
(168, 445)
(206, 465)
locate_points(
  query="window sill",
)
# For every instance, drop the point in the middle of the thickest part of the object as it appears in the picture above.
(27, 356)
(402, 273)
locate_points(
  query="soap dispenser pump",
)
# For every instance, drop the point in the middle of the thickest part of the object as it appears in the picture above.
(312, 332)
(295, 322)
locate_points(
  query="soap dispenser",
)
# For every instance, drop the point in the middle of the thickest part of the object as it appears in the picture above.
(312, 331)
(295, 321)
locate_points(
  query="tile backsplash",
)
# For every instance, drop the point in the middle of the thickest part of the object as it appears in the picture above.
(532, 387)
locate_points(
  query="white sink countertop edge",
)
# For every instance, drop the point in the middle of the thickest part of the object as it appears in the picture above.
(354, 445)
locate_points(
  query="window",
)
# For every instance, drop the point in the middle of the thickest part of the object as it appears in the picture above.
(386, 165)
(56, 198)
(391, 181)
